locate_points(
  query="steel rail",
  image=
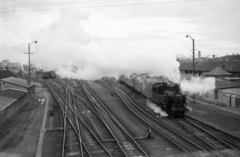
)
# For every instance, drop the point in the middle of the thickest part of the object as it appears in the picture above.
(92, 133)
(77, 113)
(200, 136)
(116, 121)
(64, 120)
(209, 133)
(231, 145)
(233, 138)
(105, 123)
(74, 127)
(116, 86)
(60, 83)
(197, 134)
(78, 116)
(156, 121)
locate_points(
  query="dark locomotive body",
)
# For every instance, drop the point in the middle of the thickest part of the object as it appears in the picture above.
(165, 94)
(49, 75)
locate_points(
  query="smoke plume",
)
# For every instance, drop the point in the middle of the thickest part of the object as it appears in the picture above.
(198, 85)
(68, 47)
(66, 44)
(156, 108)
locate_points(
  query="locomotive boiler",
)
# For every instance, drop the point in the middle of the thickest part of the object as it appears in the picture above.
(163, 92)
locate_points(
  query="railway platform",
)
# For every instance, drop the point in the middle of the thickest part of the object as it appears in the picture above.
(224, 118)
(20, 136)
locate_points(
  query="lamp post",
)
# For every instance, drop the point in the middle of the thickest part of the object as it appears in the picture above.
(193, 53)
(29, 78)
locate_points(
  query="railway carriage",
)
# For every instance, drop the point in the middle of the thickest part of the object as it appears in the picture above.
(48, 75)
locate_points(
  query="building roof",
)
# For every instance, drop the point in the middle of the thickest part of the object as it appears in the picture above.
(231, 57)
(11, 93)
(222, 84)
(217, 72)
(206, 66)
(18, 81)
(5, 102)
(6, 73)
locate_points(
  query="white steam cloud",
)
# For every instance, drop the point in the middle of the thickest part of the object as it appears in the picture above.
(198, 85)
(156, 108)
(64, 45)
(65, 42)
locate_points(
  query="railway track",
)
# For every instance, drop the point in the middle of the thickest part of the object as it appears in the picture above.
(124, 140)
(92, 145)
(216, 143)
(202, 139)
(71, 143)
(229, 138)
(140, 112)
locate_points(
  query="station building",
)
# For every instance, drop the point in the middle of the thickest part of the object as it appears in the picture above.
(11, 101)
(15, 93)
(225, 70)
(18, 84)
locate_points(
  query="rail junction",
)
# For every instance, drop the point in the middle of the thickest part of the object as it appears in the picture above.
(86, 120)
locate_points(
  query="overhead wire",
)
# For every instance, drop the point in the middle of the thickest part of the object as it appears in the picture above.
(88, 4)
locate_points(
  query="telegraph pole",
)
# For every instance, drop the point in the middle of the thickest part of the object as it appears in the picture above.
(29, 69)
(193, 56)
(188, 36)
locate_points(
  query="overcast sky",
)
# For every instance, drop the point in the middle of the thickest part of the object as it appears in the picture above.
(128, 25)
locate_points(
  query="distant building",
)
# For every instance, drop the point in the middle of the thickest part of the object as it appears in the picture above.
(226, 70)
(6, 65)
(230, 64)
(217, 73)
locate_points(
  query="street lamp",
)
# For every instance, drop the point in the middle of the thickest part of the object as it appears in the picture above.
(29, 78)
(193, 53)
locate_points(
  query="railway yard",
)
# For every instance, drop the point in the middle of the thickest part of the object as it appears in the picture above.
(106, 118)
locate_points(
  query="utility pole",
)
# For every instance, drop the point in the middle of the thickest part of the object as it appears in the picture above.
(194, 96)
(193, 53)
(29, 69)
(193, 57)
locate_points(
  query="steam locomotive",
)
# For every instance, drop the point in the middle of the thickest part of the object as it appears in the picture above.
(163, 92)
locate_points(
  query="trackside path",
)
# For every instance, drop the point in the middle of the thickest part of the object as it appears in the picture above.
(43, 129)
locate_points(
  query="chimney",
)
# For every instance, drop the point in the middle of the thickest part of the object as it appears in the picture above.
(213, 56)
(199, 55)
(233, 54)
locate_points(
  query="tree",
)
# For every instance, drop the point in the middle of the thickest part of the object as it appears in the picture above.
(32, 68)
